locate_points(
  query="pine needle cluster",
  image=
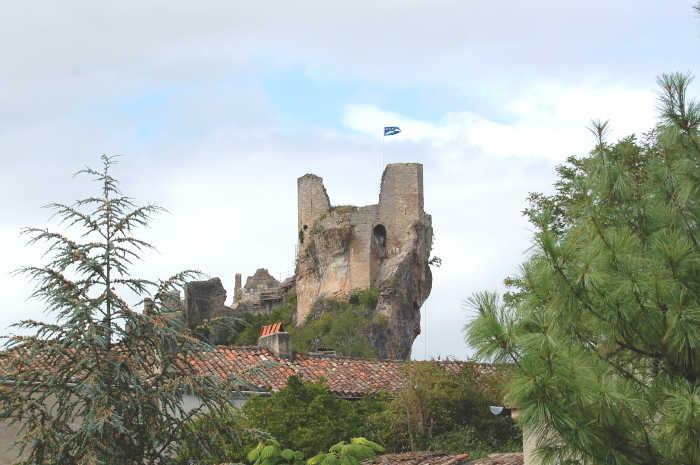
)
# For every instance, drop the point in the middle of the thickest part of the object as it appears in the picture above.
(602, 324)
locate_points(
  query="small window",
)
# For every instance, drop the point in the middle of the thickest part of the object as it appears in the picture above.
(379, 236)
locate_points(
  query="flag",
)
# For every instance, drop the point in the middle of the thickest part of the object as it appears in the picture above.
(391, 130)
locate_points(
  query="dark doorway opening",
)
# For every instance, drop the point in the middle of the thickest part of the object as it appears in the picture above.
(379, 237)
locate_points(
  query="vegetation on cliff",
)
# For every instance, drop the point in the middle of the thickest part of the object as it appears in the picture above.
(602, 323)
(252, 322)
(348, 327)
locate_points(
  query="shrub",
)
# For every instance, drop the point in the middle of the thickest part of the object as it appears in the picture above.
(438, 406)
(252, 323)
(271, 453)
(308, 417)
(216, 437)
(347, 327)
(356, 451)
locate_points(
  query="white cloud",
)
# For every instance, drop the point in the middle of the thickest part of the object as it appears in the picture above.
(547, 120)
(57, 56)
(226, 166)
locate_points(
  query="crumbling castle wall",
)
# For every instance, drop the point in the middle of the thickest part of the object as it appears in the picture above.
(387, 246)
(260, 293)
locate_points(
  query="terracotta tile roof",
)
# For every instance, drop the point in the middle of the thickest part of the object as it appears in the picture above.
(511, 458)
(419, 458)
(259, 369)
(438, 458)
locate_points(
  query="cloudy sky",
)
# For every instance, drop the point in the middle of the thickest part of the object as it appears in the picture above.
(218, 106)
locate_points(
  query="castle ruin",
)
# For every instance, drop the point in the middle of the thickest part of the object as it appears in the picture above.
(342, 249)
(260, 293)
(385, 246)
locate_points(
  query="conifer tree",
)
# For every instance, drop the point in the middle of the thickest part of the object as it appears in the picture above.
(104, 383)
(602, 323)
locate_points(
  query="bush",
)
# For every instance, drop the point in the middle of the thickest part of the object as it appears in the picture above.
(447, 411)
(308, 417)
(252, 323)
(217, 437)
(356, 451)
(468, 438)
(270, 452)
(346, 327)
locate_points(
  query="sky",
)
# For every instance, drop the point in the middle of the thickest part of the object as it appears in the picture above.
(217, 107)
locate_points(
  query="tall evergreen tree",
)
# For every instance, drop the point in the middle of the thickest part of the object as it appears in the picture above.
(602, 323)
(103, 383)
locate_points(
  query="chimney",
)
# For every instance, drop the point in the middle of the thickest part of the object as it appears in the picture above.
(275, 339)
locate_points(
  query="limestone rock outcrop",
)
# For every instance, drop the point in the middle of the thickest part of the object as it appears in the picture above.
(385, 246)
(204, 300)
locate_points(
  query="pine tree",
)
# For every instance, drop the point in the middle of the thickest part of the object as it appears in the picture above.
(103, 383)
(602, 323)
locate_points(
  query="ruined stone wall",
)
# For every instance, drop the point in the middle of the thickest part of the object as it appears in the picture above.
(260, 293)
(400, 201)
(237, 290)
(313, 201)
(363, 220)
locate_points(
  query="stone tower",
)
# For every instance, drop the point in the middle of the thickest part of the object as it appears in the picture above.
(237, 288)
(386, 245)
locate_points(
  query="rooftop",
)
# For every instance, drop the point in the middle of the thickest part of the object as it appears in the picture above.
(261, 370)
(438, 458)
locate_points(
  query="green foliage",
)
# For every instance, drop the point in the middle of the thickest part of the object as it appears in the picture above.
(602, 323)
(468, 438)
(342, 453)
(104, 384)
(447, 410)
(308, 417)
(438, 410)
(252, 323)
(216, 437)
(365, 298)
(270, 452)
(346, 327)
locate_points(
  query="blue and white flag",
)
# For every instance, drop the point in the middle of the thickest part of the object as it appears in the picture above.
(391, 130)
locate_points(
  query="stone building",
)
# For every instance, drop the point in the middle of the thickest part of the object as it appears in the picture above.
(341, 249)
(386, 246)
(260, 293)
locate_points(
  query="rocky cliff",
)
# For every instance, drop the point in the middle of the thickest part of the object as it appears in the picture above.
(385, 246)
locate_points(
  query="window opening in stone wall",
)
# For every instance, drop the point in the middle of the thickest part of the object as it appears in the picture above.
(379, 237)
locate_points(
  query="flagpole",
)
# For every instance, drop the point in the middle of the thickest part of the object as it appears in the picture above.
(381, 159)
